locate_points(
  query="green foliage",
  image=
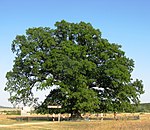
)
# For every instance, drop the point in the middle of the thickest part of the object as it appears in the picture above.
(15, 112)
(91, 73)
(143, 107)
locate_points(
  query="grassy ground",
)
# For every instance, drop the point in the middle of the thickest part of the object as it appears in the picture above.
(142, 124)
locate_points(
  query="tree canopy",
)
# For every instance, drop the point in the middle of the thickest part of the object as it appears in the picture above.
(90, 73)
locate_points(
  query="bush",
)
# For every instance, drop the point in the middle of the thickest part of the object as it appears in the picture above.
(17, 112)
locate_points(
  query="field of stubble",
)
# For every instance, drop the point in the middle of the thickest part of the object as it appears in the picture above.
(142, 124)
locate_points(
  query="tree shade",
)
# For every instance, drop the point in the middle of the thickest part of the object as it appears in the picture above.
(90, 73)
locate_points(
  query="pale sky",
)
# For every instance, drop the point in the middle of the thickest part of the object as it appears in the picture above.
(126, 22)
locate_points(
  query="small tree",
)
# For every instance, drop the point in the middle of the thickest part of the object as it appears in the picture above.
(91, 73)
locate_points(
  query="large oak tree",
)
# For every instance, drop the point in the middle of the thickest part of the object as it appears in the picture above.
(90, 73)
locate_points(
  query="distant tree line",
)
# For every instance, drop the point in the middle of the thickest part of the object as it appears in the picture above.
(143, 107)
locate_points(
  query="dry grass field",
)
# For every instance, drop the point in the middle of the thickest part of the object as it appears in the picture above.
(142, 124)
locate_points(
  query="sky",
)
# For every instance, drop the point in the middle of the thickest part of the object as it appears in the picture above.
(125, 22)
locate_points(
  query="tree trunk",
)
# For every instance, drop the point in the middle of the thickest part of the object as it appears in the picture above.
(75, 115)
